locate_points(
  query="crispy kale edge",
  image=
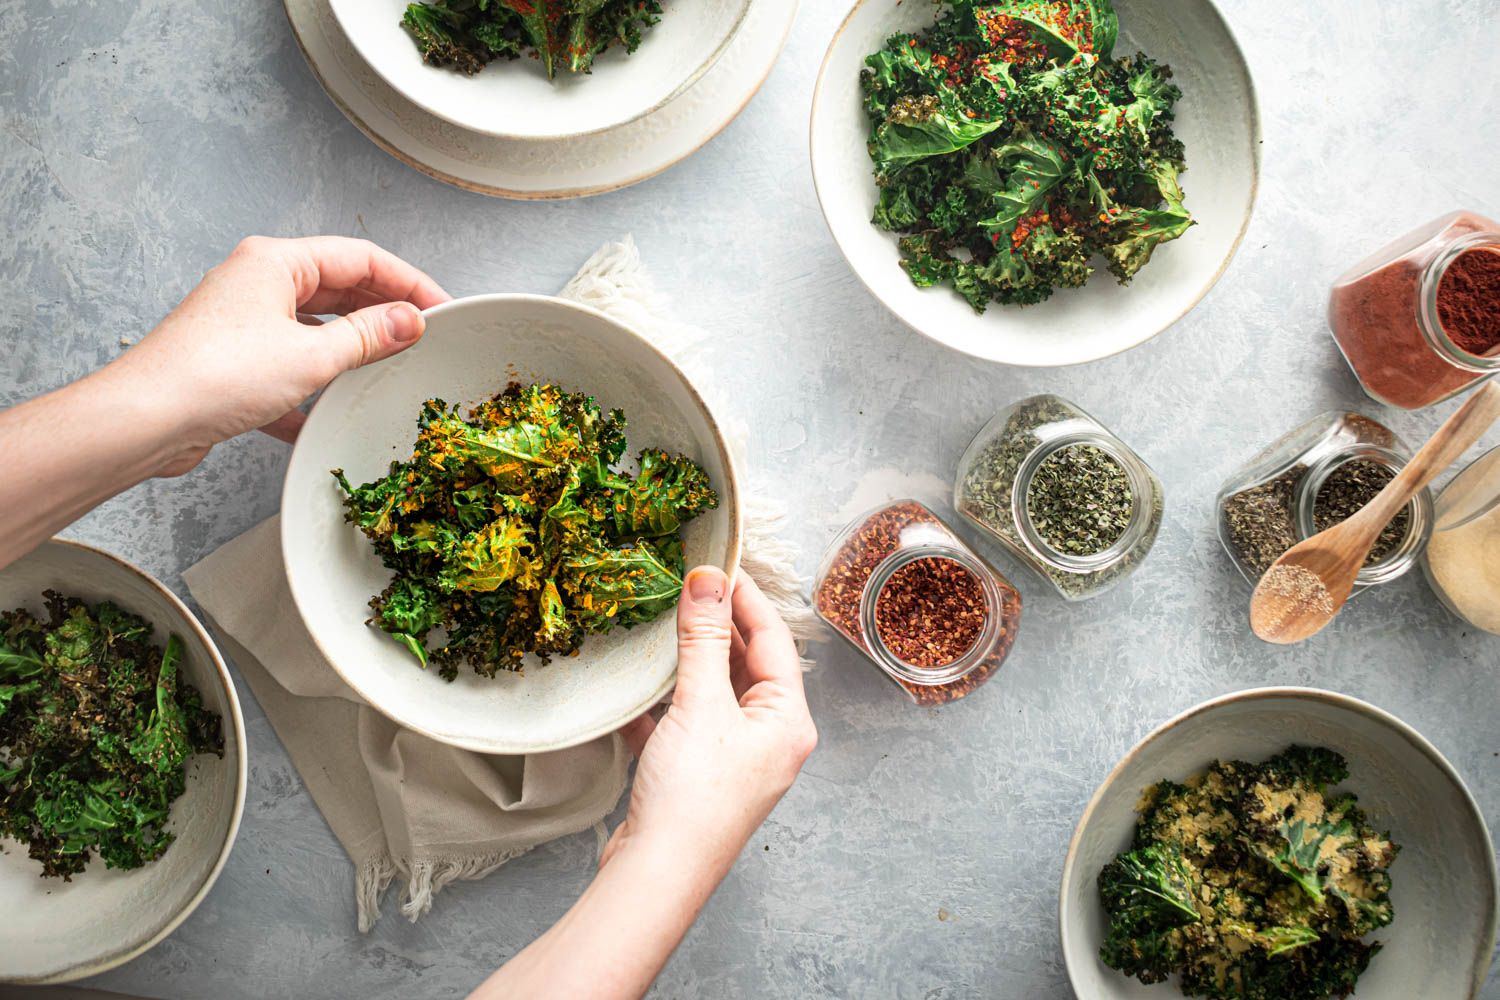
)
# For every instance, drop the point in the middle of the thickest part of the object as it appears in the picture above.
(510, 531)
(96, 727)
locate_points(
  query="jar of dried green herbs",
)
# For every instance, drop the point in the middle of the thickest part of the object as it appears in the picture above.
(1314, 477)
(1062, 494)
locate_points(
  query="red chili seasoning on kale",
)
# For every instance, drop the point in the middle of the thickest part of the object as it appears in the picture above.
(930, 612)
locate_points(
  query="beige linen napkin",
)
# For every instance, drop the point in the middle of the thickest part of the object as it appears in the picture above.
(400, 803)
(403, 804)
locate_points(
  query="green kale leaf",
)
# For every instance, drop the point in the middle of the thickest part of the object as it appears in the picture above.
(563, 35)
(96, 727)
(1011, 148)
(510, 531)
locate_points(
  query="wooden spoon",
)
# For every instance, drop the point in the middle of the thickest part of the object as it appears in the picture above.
(1307, 586)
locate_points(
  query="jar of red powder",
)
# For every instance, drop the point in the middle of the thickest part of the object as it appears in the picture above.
(901, 586)
(1419, 321)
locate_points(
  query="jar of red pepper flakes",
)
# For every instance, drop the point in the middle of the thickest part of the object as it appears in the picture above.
(901, 586)
(1419, 320)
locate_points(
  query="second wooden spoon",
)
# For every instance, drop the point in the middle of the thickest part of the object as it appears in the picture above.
(1307, 586)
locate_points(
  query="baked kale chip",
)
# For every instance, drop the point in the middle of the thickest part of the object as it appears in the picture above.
(1251, 881)
(512, 532)
(1011, 149)
(95, 732)
(564, 35)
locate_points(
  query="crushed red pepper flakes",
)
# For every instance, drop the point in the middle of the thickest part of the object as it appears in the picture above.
(840, 593)
(930, 612)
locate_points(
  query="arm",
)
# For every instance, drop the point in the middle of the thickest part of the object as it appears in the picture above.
(708, 774)
(242, 351)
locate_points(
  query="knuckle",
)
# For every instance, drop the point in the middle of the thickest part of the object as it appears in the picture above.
(252, 246)
(703, 632)
(804, 742)
(368, 331)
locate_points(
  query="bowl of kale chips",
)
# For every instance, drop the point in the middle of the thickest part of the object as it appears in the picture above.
(540, 69)
(122, 763)
(487, 534)
(1036, 182)
(1280, 844)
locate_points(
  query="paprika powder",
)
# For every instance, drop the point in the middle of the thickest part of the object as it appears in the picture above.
(1419, 320)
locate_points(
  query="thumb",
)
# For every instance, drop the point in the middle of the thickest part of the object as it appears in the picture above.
(373, 333)
(703, 630)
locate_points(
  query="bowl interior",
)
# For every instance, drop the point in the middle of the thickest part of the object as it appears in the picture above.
(1444, 878)
(472, 349)
(104, 916)
(513, 98)
(1216, 120)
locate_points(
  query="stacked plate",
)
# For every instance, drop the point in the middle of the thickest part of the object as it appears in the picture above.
(509, 131)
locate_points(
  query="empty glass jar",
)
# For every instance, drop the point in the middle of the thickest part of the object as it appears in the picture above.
(1062, 494)
(1312, 478)
(919, 603)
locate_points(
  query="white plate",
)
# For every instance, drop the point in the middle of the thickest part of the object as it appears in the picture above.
(59, 931)
(513, 99)
(1216, 119)
(1443, 879)
(567, 168)
(366, 418)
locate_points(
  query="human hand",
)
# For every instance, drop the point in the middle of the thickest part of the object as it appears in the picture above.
(245, 348)
(735, 736)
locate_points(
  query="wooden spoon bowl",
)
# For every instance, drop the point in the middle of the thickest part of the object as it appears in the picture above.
(1305, 588)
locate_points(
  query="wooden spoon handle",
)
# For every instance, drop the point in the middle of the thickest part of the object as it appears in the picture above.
(1467, 425)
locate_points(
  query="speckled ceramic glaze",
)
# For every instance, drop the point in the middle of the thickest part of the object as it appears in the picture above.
(513, 99)
(556, 168)
(1217, 120)
(58, 931)
(1444, 889)
(472, 348)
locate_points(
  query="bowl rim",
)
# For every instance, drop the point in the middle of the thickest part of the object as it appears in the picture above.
(1256, 143)
(1359, 706)
(731, 494)
(341, 88)
(237, 720)
(682, 87)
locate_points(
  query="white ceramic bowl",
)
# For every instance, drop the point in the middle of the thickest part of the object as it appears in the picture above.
(472, 349)
(59, 931)
(1216, 119)
(1444, 877)
(513, 99)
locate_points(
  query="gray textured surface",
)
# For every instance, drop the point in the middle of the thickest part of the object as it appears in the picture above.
(919, 854)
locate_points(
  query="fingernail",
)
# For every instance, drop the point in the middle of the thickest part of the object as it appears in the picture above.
(403, 322)
(706, 586)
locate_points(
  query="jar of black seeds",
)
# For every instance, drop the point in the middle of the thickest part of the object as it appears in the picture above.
(1062, 494)
(1314, 477)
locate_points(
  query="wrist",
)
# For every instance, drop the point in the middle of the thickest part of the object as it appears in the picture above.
(694, 852)
(153, 430)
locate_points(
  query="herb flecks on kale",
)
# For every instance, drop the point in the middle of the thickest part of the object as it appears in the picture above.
(512, 531)
(1253, 881)
(1011, 148)
(564, 35)
(95, 729)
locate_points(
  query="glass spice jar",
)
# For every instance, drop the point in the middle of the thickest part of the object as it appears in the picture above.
(1463, 558)
(1419, 320)
(1312, 478)
(909, 594)
(1062, 494)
